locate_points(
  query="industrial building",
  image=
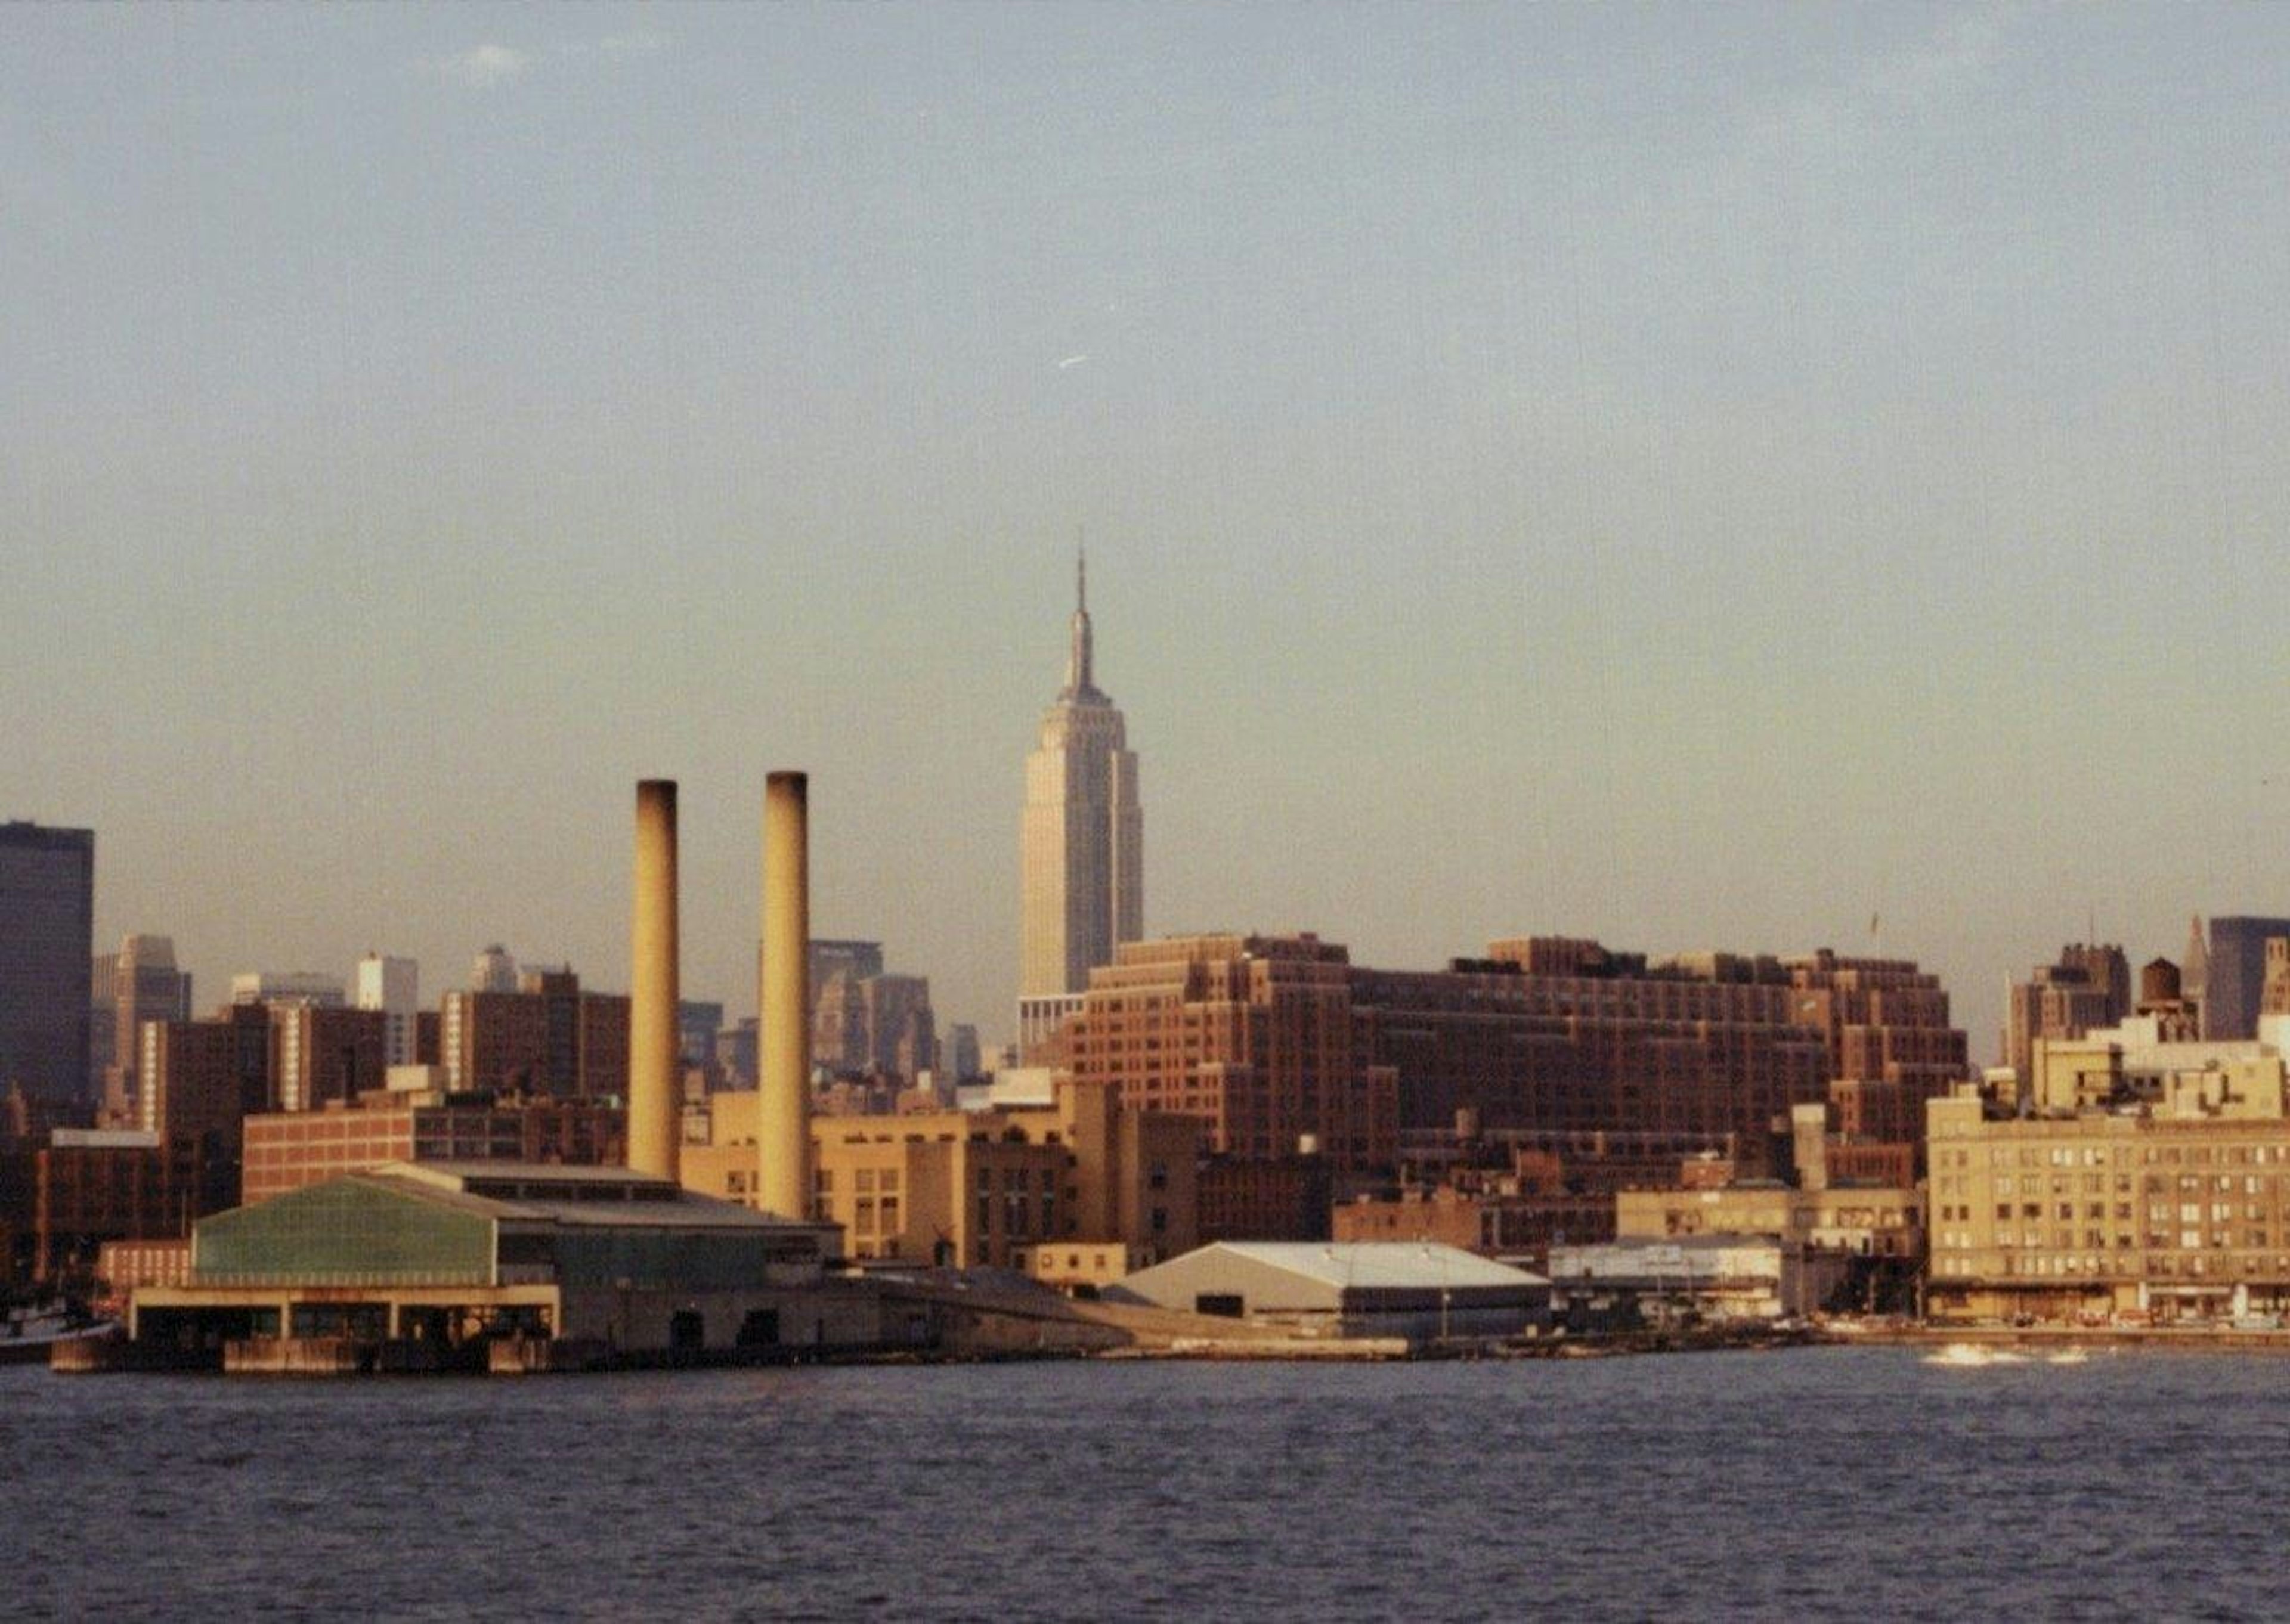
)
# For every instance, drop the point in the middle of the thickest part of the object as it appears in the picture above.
(1414, 1290)
(456, 1256)
(61, 1201)
(2146, 1182)
(1275, 1041)
(1011, 1187)
(1701, 1276)
(285, 1150)
(1858, 1201)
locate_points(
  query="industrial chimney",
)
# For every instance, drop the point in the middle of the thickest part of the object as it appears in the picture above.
(655, 1109)
(783, 1109)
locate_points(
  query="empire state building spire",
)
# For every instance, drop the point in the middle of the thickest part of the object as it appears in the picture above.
(1077, 658)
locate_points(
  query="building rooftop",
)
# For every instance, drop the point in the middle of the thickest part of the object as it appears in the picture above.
(600, 1196)
(1681, 1245)
(1380, 1265)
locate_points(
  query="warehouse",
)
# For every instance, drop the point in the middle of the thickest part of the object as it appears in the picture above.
(451, 1256)
(1698, 1276)
(1419, 1291)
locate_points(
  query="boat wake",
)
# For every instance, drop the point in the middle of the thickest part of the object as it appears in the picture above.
(1972, 1356)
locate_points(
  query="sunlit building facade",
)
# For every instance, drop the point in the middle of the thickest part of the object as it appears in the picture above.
(1082, 879)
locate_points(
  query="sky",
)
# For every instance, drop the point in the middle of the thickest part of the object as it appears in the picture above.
(1695, 476)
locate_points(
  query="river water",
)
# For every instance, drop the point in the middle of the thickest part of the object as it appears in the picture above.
(1839, 1483)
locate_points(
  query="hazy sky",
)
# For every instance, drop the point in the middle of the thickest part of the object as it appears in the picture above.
(1696, 476)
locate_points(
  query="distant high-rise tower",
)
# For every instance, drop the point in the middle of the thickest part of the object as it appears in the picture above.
(493, 972)
(2088, 987)
(2234, 973)
(140, 983)
(1082, 843)
(47, 918)
(394, 987)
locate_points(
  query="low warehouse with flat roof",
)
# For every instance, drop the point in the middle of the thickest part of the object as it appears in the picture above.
(451, 1256)
(1416, 1289)
(1705, 1277)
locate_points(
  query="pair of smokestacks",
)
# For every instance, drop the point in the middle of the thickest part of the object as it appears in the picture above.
(782, 1182)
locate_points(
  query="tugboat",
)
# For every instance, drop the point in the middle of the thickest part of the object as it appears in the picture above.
(30, 1335)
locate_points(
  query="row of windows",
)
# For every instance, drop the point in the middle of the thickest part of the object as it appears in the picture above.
(2120, 1156)
(2010, 1242)
(1016, 1213)
(2156, 1211)
(2091, 1184)
(2057, 1265)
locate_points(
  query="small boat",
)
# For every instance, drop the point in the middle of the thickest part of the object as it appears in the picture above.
(2069, 1355)
(28, 1336)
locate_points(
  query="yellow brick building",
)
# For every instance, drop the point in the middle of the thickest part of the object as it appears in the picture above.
(1010, 1187)
(1862, 1222)
(2163, 1197)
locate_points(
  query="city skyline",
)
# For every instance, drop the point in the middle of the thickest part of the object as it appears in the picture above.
(1682, 477)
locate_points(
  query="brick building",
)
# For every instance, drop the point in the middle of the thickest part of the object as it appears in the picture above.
(321, 1056)
(197, 1081)
(1612, 1066)
(546, 1037)
(2167, 1198)
(1254, 1034)
(93, 1185)
(1274, 1040)
(1265, 1198)
(286, 1150)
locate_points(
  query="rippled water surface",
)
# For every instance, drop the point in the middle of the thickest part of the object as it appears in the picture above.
(1843, 1483)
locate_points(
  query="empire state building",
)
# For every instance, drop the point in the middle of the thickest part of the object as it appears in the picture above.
(1081, 846)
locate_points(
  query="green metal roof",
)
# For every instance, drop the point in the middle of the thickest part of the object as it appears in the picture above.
(352, 1231)
(444, 1225)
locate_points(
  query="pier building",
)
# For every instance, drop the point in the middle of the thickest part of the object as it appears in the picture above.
(1414, 1291)
(451, 1258)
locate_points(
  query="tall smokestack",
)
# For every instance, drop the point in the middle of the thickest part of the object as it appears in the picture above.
(783, 1109)
(655, 1110)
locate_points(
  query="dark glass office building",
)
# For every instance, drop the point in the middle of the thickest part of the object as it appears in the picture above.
(47, 929)
(2237, 974)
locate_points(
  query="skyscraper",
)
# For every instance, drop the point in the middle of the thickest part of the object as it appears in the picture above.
(138, 983)
(2235, 973)
(1082, 842)
(392, 986)
(47, 928)
(493, 971)
(865, 1020)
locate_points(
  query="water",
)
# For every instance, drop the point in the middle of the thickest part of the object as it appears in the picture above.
(1846, 1483)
